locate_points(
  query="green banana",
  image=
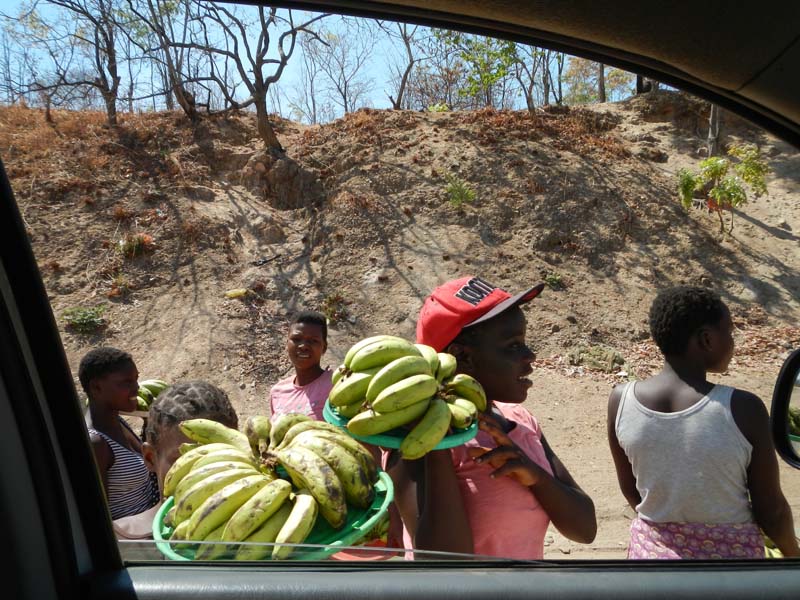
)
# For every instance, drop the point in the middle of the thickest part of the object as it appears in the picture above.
(145, 397)
(214, 550)
(199, 474)
(282, 424)
(297, 527)
(256, 546)
(364, 456)
(466, 386)
(256, 510)
(370, 422)
(299, 428)
(202, 490)
(405, 392)
(351, 388)
(357, 487)
(154, 386)
(226, 455)
(355, 348)
(338, 373)
(141, 404)
(184, 463)
(447, 366)
(428, 432)
(179, 535)
(207, 431)
(350, 410)
(460, 417)
(219, 507)
(257, 429)
(169, 518)
(186, 446)
(395, 371)
(308, 471)
(429, 353)
(381, 353)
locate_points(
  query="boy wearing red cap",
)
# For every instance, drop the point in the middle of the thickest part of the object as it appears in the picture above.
(497, 494)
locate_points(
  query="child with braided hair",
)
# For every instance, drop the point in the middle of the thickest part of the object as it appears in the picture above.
(179, 402)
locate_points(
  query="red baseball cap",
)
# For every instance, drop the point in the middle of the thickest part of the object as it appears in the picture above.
(461, 303)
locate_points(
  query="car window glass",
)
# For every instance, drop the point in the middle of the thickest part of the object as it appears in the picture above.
(187, 198)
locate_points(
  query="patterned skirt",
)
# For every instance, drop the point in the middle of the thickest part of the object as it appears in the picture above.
(694, 540)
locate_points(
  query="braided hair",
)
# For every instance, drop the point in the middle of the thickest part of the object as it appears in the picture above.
(99, 362)
(189, 400)
(678, 312)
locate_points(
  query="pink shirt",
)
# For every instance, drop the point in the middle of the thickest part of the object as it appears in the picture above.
(507, 520)
(286, 396)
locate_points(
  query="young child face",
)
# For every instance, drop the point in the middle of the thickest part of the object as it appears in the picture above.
(305, 345)
(721, 344)
(116, 390)
(159, 456)
(500, 359)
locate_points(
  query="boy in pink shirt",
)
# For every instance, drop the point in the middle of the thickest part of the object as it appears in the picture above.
(497, 494)
(307, 389)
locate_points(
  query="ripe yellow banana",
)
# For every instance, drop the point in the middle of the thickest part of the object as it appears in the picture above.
(395, 371)
(297, 527)
(447, 366)
(350, 410)
(370, 422)
(256, 510)
(169, 518)
(186, 446)
(405, 392)
(257, 429)
(256, 546)
(460, 417)
(364, 456)
(381, 353)
(466, 386)
(185, 462)
(207, 431)
(219, 507)
(308, 471)
(355, 348)
(213, 550)
(282, 424)
(351, 388)
(429, 353)
(338, 373)
(358, 490)
(228, 455)
(198, 474)
(178, 536)
(428, 432)
(196, 495)
(299, 428)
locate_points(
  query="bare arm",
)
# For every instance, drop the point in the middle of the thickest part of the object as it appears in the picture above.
(770, 508)
(104, 458)
(625, 477)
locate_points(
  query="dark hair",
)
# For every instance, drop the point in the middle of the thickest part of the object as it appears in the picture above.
(189, 400)
(678, 312)
(100, 362)
(314, 317)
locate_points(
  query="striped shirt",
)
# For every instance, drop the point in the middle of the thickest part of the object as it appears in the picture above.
(131, 487)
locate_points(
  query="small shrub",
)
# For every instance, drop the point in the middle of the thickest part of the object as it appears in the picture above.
(555, 281)
(82, 319)
(135, 244)
(120, 286)
(438, 107)
(334, 307)
(458, 190)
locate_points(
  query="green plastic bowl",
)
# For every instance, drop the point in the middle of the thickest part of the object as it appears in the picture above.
(358, 524)
(393, 438)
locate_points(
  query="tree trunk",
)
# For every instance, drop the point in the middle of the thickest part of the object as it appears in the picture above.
(643, 85)
(601, 82)
(265, 129)
(110, 100)
(546, 85)
(712, 141)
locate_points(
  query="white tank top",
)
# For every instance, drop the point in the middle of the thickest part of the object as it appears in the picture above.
(690, 466)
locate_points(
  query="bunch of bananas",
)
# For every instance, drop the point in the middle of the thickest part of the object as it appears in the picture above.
(149, 389)
(770, 548)
(226, 485)
(387, 382)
